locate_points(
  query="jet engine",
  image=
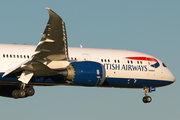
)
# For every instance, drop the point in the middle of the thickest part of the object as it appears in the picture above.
(86, 73)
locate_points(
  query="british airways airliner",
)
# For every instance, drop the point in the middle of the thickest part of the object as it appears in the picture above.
(52, 62)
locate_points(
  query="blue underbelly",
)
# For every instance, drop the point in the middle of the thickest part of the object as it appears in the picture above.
(109, 82)
(134, 83)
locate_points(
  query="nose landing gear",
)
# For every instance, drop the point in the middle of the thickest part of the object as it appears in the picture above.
(146, 98)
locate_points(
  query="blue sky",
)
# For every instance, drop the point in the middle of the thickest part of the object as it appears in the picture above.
(148, 26)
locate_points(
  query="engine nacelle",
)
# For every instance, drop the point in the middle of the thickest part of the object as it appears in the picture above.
(86, 73)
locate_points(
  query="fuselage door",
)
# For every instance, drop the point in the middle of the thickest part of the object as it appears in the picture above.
(86, 56)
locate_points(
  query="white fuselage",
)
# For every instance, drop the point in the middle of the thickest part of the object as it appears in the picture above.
(116, 63)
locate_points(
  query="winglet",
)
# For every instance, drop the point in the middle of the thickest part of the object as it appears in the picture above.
(47, 8)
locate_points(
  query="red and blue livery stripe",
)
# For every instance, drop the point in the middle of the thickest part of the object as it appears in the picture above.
(156, 65)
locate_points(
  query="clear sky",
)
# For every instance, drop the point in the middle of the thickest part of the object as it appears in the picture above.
(149, 26)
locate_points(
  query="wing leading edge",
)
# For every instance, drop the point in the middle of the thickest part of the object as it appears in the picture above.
(51, 53)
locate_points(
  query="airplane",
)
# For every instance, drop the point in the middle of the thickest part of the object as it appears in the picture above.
(52, 63)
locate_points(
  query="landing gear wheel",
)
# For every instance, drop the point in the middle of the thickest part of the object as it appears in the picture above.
(30, 91)
(147, 99)
(22, 93)
(15, 94)
(144, 99)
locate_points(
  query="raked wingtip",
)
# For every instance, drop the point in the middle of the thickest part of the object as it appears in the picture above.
(47, 8)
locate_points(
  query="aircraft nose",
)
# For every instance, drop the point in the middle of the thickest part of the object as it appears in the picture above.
(168, 75)
(171, 77)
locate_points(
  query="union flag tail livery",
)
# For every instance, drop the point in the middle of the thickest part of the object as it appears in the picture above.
(52, 62)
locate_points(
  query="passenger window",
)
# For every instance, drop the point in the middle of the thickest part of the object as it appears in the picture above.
(131, 62)
(14, 56)
(17, 56)
(3, 55)
(118, 61)
(104, 60)
(101, 60)
(28, 56)
(24, 56)
(10, 56)
(108, 60)
(128, 61)
(21, 56)
(115, 61)
(137, 62)
(7, 56)
(141, 62)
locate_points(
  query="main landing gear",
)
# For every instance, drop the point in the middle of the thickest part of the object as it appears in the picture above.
(22, 93)
(146, 98)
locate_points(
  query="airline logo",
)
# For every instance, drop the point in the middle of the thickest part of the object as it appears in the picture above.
(125, 67)
(131, 67)
(156, 65)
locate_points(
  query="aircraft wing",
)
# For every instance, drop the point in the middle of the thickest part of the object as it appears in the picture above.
(53, 44)
(50, 55)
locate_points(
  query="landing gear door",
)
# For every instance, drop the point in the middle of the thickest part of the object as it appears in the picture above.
(86, 56)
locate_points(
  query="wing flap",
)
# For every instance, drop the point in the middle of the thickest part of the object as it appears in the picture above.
(15, 69)
(26, 76)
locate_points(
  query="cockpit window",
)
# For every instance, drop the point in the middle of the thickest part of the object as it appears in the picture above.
(164, 65)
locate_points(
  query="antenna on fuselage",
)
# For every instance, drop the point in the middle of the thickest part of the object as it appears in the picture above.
(81, 46)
